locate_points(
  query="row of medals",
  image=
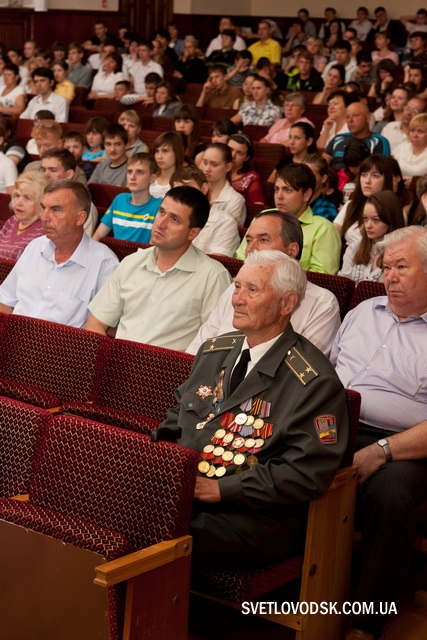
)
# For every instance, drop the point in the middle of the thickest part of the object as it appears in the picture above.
(237, 449)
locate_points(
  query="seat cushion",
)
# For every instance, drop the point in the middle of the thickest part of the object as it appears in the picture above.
(28, 394)
(111, 416)
(66, 528)
(241, 585)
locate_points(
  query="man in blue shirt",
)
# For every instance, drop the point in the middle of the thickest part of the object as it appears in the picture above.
(59, 273)
(131, 215)
(358, 118)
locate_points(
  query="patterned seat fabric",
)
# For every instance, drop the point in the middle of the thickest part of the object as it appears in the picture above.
(107, 490)
(141, 379)
(115, 479)
(28, 394)
(71, 530)
(232, 265)
(53, 358)
(365, 290)
(114, 417)
(122, 248)
(246, 585)
(340, 286)
(66, 528)
(20, 430)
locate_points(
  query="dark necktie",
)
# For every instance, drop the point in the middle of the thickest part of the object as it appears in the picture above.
(239, 371)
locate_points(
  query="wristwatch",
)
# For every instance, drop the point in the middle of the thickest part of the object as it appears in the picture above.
(385, 446)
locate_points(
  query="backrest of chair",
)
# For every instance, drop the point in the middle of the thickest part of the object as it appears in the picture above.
(340, 286)
(122, 248)
(52, 357)
(142, 378)
(116, 479)
(253, 210)
(366, 289)
(6, 267)
(232, 265)
(162, 123)
(5, 210)
(21, 428)
(104, 194)
(353, 399)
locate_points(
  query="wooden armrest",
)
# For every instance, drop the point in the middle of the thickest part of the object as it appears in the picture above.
(142, 561)
(54, 409)
(23, 498)
(342, 476)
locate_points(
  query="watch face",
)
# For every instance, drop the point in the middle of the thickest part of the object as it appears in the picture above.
(382, 442)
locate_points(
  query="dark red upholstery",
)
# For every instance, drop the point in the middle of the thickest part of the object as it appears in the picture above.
(122, 248)
(6, 267)
(252, 210)
(5, 210)
(137, 383)
(104, 194)
(231, 264)
(364, 290)
(46, 364)
(20, 430)
(244, 585)
(340, 286)
(107, 490)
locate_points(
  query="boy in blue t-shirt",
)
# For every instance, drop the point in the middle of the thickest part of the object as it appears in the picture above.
(131, 215)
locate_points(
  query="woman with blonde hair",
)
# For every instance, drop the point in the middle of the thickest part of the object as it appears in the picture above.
(25, 224)
(411, 154)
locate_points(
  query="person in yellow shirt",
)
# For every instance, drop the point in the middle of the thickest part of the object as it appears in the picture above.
(266, 47)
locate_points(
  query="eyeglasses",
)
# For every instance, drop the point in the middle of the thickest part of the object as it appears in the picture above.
(411, 109)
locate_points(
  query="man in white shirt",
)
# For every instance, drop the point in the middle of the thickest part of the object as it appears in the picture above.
(216, 43)
(143, 67)
(362, 24)
(342, 50)
(46, 98)
(59, 273)
(318, 316)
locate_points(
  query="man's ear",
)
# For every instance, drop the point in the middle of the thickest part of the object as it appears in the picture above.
(292, 249)
(70, 174)
(81, 218)
(308, 194)
(288, 302)
(194, 232)
(205, 188)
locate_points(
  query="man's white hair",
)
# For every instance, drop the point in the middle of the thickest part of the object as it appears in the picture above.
(417, 235)
(288, 274)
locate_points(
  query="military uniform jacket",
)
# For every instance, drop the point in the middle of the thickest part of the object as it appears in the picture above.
(306, 402)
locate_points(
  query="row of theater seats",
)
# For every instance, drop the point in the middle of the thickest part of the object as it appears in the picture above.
(100, 489)
(98, 498)
(346, 291)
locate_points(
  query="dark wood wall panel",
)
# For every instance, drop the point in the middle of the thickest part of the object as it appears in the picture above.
(15, 27)
(69, 26)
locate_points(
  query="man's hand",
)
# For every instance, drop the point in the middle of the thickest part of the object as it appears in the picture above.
(207, 490)
(368, 459)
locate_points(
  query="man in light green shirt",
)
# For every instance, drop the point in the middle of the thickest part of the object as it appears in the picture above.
(162, 295)
(293, 190)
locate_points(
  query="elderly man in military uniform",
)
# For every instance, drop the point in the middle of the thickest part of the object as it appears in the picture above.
(266, 412)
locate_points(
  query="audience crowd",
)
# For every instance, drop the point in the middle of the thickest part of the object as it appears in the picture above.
(335, 118)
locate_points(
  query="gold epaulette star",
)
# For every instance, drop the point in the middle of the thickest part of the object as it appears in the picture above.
(299, 366)
(222, 343)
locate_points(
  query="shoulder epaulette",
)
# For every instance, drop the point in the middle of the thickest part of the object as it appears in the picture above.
(299, 366)
(222, 343)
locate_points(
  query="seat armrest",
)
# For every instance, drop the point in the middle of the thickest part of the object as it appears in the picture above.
(142, 561)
